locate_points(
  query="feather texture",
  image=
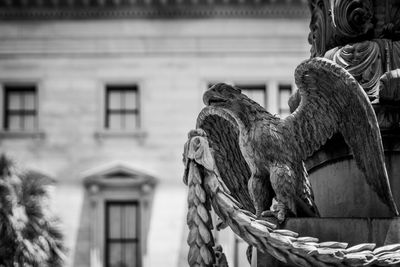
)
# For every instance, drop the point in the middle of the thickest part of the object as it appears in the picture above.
(332, 101)
(257, 151)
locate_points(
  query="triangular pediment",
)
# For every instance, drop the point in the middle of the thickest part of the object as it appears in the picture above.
(117, 173)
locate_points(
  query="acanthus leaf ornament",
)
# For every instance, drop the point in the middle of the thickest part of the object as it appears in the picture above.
(363, 61)
(320, 33)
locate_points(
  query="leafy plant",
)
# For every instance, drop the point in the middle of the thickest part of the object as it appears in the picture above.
(29, 233)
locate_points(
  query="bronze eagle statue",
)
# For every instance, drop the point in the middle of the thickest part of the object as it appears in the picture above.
(260, 156)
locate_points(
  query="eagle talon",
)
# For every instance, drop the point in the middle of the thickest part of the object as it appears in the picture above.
(271, 216)
(268, 213)
(277, 210)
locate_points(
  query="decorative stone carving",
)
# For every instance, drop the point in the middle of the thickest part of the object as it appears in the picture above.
(363, 61)
(362, 37)
(388, 112)
(274, 149)
(395, 52)
(246, 160)
(389, 90)
(320, 33)
(285, 245)
(386, 16)
(238, 143)
(220, 257)
(352, 18)
(367, 61)
(339, 22)
(200, 239)
(57, 9)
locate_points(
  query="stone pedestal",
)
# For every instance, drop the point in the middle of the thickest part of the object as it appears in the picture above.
(340, 189)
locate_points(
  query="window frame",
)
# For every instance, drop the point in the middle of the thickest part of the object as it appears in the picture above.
(21, 112)
(102, 186)
(137, 240)
(139, 134)
(122, 111)
(31, 133)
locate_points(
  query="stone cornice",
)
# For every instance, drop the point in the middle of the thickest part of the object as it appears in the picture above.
(153, 9)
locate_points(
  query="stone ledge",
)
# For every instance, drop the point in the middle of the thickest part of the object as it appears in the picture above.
(158, 10)
(20, 134)
(138, 134)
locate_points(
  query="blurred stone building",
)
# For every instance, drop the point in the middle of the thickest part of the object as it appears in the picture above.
(100, 94)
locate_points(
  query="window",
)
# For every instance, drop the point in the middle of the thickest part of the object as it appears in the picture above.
(20, 108)
(122, 108)
(256, 92)
(122, 239)
(285, 90)
(120, 216)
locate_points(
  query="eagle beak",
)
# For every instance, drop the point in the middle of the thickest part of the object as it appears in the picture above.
(211, 97)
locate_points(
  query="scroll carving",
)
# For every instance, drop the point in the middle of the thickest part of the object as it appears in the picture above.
(352, 18)
(319, 31)
(335, 23)
(388, 19)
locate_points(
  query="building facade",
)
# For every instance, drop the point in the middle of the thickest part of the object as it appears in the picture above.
(100, 95)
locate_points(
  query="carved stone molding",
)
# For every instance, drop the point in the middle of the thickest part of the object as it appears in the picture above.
(339, 22)
(352, 18)
(389, 87)
(362, 37)
(320, 33)
(115, 3)
(58, 9)
(364, 61)
(375, 65)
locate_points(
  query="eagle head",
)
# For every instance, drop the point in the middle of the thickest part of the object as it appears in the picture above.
(230, 98)
(221, 94)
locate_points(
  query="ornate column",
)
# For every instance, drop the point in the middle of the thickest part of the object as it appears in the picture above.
(362, 37)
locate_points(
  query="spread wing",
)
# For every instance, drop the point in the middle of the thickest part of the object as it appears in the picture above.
(332, 101)
(223, 136)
